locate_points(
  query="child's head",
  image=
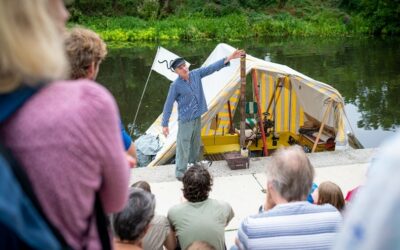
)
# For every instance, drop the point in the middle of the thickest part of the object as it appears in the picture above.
(329, 192)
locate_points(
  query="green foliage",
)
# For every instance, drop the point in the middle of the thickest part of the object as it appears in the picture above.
(208, 8)
(234, 19)
(323, 23)
(383, 15)
(130, 29)
(378, 16)
(76, 15)
(148, 9)
(231, 27)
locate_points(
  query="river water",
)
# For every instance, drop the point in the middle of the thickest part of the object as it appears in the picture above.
(366, 71)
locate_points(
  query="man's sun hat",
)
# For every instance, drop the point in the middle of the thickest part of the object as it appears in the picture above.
(177, 62)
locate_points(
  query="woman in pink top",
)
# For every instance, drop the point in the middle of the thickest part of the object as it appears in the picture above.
(66, 135)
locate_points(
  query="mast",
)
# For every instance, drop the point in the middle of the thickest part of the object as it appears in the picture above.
(242, 100)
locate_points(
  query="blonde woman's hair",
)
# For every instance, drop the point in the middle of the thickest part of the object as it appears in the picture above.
(83, 47)
(329, 192)
(31, 44)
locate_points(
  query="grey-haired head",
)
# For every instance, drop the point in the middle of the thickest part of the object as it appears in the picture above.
(291, 173)
(131, 224)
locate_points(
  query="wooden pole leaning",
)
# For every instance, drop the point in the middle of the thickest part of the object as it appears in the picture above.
(260, 118)
(242, 100)
(321, 128)
(273, 97)
(231, 128)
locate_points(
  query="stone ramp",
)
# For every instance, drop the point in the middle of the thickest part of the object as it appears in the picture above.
(243, 188)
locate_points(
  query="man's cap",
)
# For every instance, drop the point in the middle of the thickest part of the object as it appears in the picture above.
(177, 62)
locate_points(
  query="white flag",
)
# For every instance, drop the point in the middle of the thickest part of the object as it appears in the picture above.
(162, 63)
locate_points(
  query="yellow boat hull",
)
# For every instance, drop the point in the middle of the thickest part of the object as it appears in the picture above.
(219, 144)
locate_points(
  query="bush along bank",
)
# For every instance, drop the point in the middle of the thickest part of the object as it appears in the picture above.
(226, 28)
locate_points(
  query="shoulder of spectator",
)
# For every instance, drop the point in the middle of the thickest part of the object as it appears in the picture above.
(174, 211)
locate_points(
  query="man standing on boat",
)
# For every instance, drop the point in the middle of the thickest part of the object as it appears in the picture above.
(187, 91)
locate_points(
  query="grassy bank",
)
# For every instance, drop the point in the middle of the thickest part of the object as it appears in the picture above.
(228, 28)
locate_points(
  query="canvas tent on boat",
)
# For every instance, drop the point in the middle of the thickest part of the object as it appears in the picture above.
(301, 98)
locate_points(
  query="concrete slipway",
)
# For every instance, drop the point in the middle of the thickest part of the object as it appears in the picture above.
(243, 188)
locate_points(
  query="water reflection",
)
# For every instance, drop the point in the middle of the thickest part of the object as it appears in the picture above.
(365, 71)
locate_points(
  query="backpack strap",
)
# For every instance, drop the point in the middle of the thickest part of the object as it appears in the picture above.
(102, 224)
(11, 102)
(27, 189)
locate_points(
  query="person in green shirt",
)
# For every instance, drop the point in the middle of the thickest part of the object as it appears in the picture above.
(200, 218)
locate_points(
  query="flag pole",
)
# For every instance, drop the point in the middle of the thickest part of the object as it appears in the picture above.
(144, 90)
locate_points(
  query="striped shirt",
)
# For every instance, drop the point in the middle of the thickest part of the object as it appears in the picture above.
(294, 225)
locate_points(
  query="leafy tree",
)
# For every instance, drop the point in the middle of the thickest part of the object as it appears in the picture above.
(383, 15)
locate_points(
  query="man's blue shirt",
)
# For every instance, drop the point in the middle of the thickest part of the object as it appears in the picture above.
(189, 94)
(125, 137)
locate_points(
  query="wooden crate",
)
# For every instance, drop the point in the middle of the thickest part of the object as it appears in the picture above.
(236, 161)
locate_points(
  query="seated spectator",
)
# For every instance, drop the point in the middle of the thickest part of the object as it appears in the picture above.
(290, 221)
(311, 194)
(200, 245)
(329, 192)
(311, 197)
(372, 220)
(351, 194)
(131, 224)
(85, 51)
(160, 233)
(200, 218)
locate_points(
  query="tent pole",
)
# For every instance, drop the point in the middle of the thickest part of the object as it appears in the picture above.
(328, 110)
(260, 119)
(242, 100)
(231, 129)
(275, 98)
(273, 95)
(290, 104)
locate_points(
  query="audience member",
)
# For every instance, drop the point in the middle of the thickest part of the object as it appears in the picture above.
(329, 192)
(289, 220)
(310, 196)
(85, 51)
(353, 193)
(64, 134)
(160, 233)
(200, 245)
(350, 196)
(200, 218)
(131, 224)
(373, 219)
(143, 185)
